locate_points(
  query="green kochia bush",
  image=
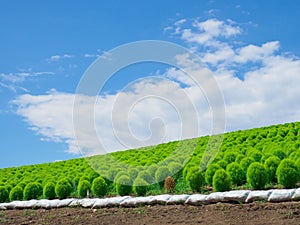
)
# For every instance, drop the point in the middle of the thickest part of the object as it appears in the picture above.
(145, 175)
(287, 173)
(84, 188)
(246, 162)
(133, 172)
(99, 187)
(123, 186)
(63, 188)
(271, 165)
(140, 186)
(196, 180)
(255, 154)
(297, 163)
(16, 193)
(221, 181)
(222, 163)
(33, 191)
(230, 157)
(236, 174)
(210, 172)
(161, 174)
(257, 176)
(3, 194)
(175, 169)
(49, 190)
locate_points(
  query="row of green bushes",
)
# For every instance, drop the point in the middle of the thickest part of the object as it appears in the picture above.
(62, 189)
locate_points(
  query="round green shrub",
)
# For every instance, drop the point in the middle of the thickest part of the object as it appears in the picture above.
(230, 157)
(175, 169)
(255, 154)
(196, 180)
(297, 163)
(246, 162)
(239, 158)
(236, 173)
(287, 173)
(99, 187)
(140, 186)
(75, 180)
(84, 177)
(93, 175)
(271, 165)
(8, 187)
(22, 184)
(49, 190)
(3, 194)
(145, 175)
(152, 170)
(84, 188)
(133, 173)
(16, 193)
(123, 186)
(63, 188)
(221, 181)
(257, 176)
(279, 153)
(119, 174)
(161, 174)
(210, 172)
(222, 163)
(32, 191)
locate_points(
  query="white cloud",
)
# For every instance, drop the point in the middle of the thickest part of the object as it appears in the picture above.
(10, 80)
(59, 57)
(256, 53)
(149, 113)
(90, 55)
(266, 93)
(207, 32)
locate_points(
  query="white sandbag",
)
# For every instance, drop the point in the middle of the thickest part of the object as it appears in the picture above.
(75, 203)
(87, 202)
(236, 195)
(296, 195)
(281, 195)
(3, 205)
(177, 199)
(43, 203)
(258, 195)
(196, 199)
(13, 204)
(138, 201)
(159, 199)
(109, 202)
(64, 202)
(216, 197)
(116, 201)
(100, 203)
(22, 204)
(31, 204)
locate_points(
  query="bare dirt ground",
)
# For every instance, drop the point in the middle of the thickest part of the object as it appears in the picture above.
(254, 213)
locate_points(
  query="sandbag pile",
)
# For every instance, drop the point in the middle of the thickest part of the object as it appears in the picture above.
(240, 196)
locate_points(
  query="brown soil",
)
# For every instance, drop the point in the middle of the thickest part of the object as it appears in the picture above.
(254, 213)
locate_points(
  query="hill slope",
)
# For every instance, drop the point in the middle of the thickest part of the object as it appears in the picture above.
(265, 147)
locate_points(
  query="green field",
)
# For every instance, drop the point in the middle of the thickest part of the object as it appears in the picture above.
(267, 157)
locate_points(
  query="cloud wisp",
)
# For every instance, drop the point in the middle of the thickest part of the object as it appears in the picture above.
(12, 81)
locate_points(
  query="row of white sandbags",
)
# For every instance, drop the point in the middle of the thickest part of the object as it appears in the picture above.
(244, 196)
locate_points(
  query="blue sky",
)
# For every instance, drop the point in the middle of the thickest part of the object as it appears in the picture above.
(252, 47)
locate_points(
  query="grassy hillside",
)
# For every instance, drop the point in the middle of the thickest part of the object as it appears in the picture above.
(256, 158)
